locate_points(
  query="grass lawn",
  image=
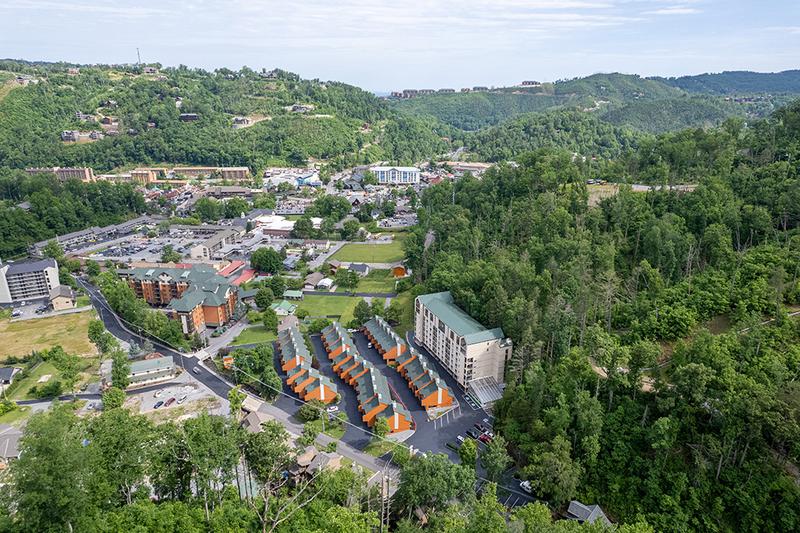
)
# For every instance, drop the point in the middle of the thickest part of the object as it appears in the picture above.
(375, 281)
(371, 253)
(378, 448)
(17, 416)
(70, 331)
(82, 301)
(335, 432)
(254, 334)
(292, 217)
(341, 306)
(20, 389)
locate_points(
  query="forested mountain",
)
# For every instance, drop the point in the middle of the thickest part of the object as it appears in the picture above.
(573, 130)
(57, 208)
(738, 82)
(340, 124)
(644, 376)
(651, 105)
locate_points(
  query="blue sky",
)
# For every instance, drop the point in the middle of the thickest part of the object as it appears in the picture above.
(385, 45)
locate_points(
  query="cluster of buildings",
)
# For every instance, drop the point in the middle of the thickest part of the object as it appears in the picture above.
(474, 355)
(197, 295)
(307, 382)
(372, 389)
(95, 234)
(83, 174)
(423, 380)
(413, 93)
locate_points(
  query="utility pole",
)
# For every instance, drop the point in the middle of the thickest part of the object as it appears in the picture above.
(138, 57)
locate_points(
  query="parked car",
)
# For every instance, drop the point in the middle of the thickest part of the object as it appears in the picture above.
(486, 439)
(472, 433)
(158, 404)
(333, 409)
(169, 402)
(460, 439)
(181, 399)
(196, 370)
(15, 313)
(369, 345)
(526, 486)
(158, 393)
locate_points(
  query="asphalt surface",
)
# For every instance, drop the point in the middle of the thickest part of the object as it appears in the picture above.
(429, 436)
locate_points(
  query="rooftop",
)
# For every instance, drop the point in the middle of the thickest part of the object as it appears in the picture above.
(24, 267)
(442, 305)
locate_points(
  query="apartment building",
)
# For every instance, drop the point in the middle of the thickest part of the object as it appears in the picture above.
(27, 280)
(83, 174)
(208, 248)
(198, 297)
(467, 350)
(396, 175)
(305, 381)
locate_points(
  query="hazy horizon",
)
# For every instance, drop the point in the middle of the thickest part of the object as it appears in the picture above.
(383, 46)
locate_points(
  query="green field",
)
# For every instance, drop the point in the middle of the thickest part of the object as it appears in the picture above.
(371, 253)
(252, 335)
(376, 281)
(341, 306)
(406, 300)
(19, 391)
(70, 331)
(17, 416)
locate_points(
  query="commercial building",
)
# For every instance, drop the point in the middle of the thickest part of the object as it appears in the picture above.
(196, 296)
(396, 175)
(27, 280)
(84, 174)
(208, 248)
(152, 370)
(467, 350)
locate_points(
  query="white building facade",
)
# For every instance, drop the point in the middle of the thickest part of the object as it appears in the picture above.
(396, 175)
(468, 350)
(27, 280)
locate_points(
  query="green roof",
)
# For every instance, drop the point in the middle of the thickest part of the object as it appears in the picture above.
(283, 305)
(206, 287)
(152, 365)
(289, 293)
(442, 305)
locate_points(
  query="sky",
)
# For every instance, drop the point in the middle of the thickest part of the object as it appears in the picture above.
(383, 45)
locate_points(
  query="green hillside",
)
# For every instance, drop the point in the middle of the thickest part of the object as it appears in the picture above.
(617, 87)
(571, 130)
(738, 82)
(671, 114)
(332, 128)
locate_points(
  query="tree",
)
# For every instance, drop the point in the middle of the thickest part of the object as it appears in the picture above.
(346, 278)
(236, 399)
(553, 473)
(430, 482)
(381, 427)
(312, 410)
(68, 366)
(168, 255)
(92, 268)
(120, 369)
(362, 313)
(53, 474)
(303, 228)
(113, 398)
(266, 260)
(495, 458)
(350, 230)
(53, 250)
(264, 297)
(208, 209)
(270, 320)
(488, 515)
(468, 452)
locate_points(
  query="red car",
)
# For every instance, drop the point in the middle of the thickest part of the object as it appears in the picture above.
(484, 438)
(169, 402)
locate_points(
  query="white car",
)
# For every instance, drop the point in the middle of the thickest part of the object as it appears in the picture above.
(196, 370)
(333, 409)
(460, 439)
(369, 345)
(181, 399)
(526, 486)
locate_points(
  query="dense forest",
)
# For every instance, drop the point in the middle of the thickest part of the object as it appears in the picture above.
(340, 123)
(655, 363)
(57, 208)
(651, 105)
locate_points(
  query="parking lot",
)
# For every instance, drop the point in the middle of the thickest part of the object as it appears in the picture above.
(179, 398)
(141, 249)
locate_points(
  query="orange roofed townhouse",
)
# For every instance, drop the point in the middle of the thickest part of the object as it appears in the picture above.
(198, 297)
(372, 389)
(304, 380)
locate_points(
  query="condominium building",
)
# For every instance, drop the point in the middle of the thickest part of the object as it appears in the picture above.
(396, 175)
(198, 297)
(84, 174)
(468, 350)
(27, 280)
